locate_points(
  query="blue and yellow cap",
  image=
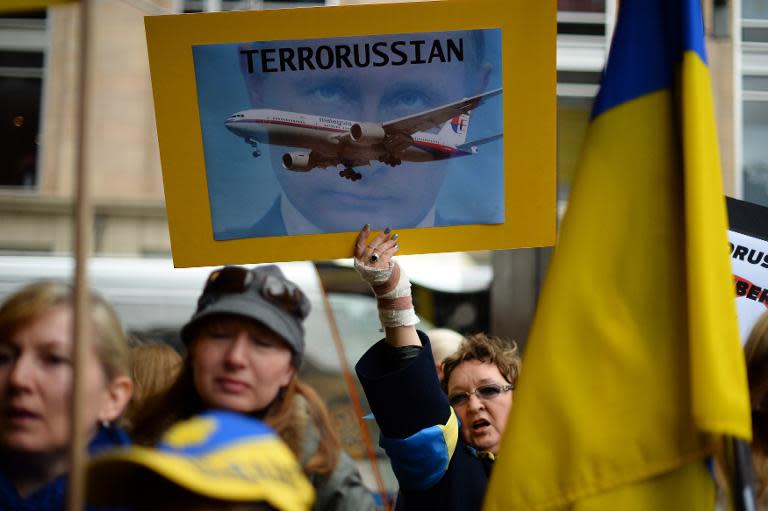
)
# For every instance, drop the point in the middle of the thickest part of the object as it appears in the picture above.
(219, 455)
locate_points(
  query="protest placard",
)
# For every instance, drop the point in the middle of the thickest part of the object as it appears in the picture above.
(748, 246)
(283, 132)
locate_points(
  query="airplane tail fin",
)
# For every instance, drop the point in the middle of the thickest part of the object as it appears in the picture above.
(454, 132)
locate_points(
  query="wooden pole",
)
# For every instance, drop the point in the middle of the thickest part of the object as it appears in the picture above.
(82, 246)
(355, 398)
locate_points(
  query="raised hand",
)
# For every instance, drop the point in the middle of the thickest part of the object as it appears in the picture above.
(374, 263)
(379, 251)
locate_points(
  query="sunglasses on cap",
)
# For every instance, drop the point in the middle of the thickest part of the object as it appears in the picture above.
(268, 282)
(484, 392)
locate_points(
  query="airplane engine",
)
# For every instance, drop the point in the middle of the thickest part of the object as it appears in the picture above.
(367, 133)
(297, 162)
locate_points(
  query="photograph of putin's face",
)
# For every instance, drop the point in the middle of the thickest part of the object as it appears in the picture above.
(324, 135)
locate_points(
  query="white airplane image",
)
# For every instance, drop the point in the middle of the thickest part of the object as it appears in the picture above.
(328, 142)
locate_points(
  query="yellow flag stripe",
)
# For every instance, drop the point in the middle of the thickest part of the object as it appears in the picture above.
(716, 359)
(689, 488)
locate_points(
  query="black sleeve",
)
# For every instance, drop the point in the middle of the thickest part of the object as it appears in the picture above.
(405, 395)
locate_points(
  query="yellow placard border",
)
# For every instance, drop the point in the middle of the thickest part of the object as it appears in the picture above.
(529, 99)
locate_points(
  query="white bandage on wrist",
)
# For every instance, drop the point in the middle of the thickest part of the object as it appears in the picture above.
(393, 291)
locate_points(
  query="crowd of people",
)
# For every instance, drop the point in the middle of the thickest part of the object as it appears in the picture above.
(230, 425)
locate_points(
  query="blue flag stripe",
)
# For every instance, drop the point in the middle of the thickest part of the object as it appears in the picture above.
(649, 40)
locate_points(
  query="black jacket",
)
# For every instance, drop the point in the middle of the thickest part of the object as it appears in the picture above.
(420, 432)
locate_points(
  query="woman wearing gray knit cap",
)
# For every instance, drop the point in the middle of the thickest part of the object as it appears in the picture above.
(245, 343)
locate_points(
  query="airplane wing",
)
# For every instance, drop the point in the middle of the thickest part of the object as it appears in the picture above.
(436, 116)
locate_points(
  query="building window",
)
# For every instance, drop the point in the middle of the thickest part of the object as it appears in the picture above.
(754, 100)
(581, 5)
(581, 51)
(581, 17)
(22, 44)
(755, 152)
(754, 9)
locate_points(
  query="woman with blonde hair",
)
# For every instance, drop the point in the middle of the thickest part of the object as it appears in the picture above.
(154, 368)
(756, 353)
(35, 389)
(245, 345)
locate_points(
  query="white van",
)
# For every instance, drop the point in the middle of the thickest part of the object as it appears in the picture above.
(154, 299)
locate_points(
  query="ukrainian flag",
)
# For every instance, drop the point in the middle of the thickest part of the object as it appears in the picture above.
(634, 371)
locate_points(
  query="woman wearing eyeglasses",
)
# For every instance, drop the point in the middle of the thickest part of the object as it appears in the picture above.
(442, 444)
(245, 344)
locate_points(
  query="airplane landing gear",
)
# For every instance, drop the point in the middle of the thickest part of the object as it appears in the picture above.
(254, 145)
(349, 173)
(391, 160)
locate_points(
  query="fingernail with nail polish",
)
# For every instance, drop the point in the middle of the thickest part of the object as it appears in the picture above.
(397, 245)
(387, 230)
(366, 227)
(395, 236)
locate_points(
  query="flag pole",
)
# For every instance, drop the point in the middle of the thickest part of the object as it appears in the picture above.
(82, 243)
(740, 475)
